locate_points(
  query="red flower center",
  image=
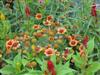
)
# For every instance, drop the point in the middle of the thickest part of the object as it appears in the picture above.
(73, 42)
(46, 23)
(10, 43)
(49, 17)
(73, 37)
(15, 44)
(8, 47)
(36, 27)
(61, 30)
(39, 16)
(37, 48)
(49, 52)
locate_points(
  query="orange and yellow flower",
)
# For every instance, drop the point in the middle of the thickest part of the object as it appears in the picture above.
(82, 53)
(38, 16)
(56, 45)
(57, 53)
(11, 44)
(8, 49)
(49, 18)
(49, 52)
(81, 47)
(38, 49)
(73, 43)
(61, 30)
(71, 37)
(38, 34)
(47, 23)
(36, 27)
(16, 45)
(51, 38)
(51, 32)
(26, 37)
(44, 30)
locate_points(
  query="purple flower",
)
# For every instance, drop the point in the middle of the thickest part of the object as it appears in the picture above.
(41, 1)
(27, 11)
(85, 40)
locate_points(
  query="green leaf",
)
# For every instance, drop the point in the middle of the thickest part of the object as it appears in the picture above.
(93, 67)
(90, 46)
(67, 71)
(69, 56)
(67, 64)
(39, 61)
(17, 62)
(53, 59)
(35, 72)
(98, 30)
(8, 69)
(71, 73)
(17, 58)
(44, 65)
(24, 62)
(78, 60)
(8, 61)
(63, 69)
(46, 1)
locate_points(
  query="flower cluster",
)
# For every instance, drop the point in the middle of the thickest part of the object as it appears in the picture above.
(47, 39)
(12, 44)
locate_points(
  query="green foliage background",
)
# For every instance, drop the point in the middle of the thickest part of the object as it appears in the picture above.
(80, 18)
